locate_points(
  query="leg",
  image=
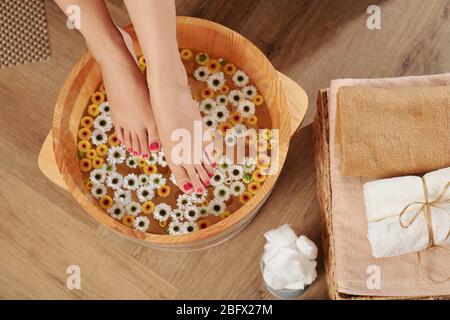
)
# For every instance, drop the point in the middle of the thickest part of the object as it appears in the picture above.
(125, 85)
(174, 108)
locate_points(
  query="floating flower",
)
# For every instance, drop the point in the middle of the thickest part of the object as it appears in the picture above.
(150, 169)
(199, 197)
(91, 154)
(249, 165)
(216, 81)
(141, 223)
(142, 62)
(175, 228)
(222, 193)
(105, 108)
(217, 179)
(145, 193)
(225, 89)
(186, 54)
(133, 208)
(207, 106)
(236, 118)
(98, 191)
(87, 122)
(259, 176)
(162, 161)
(207, 93)
(116, 155)
(191, 213)
(97, 163)
(253, 120)
(89, 185)
(84, 134)
(202, 58)
(237, 188)
(236, 172)
(109, 168)
(245, 197)
(113, 140)
(201, 74)
(258, 100)
(164, 191)
(224, 163)
(93, 110)
(229, 69)
(128, 221)
(222, 100)
(162, 212)
(210, 122)
(203, 211)
(148, 207)
(99, 137)
(173, 179)
(85, 165)
(114, 180)
(247, 178)
(235, 97)
(246, 108)
(216, 207)
(263, 161)
(117, 211)
(102, 150)
(221, 113)
(227, 181)
(130, 182)
(249, 92)
(143, 180)
(98, 97)
(152, 159)
(183, 201)
(84, 146)
(214, 66)
(132, 162)
(203, 224)
(240, 130)
(103, 123)
(106, 202)
(240, 78)
(224, 127)
(230, 139)
(177, 214)
(266, 134)
(189, 227)
(98, 176)
(156, 180)
(254, 187)
(122, 196)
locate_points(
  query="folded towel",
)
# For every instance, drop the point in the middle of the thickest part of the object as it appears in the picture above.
(386, 199)
(388, 132)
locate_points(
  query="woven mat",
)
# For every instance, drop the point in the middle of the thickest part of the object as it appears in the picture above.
(23, 32)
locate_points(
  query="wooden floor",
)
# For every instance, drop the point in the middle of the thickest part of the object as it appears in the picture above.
(44, 230)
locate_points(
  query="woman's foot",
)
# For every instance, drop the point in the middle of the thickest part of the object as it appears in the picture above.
(129, 99)
(176, 114)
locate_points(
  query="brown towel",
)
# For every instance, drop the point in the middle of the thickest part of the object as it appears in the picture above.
(387, 132)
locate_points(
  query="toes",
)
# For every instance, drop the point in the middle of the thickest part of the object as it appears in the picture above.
(195, 180)
(127, 140)
(119, 134)
(182, 178)
(154, 145)
(135, 144)
(203, 175)
(143, 144)
(209, 152)
(208, 167)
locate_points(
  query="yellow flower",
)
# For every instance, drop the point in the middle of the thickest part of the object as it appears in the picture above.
(102, 88)
(98, 97)
(106, 202)
(93, 110)
(258, 100)
(97, 163)
(148, 207)
(84, 146)
(213, 66)
(254, 187)
(203, 223)
(266, 134)
(229, 69)
(84, 134)
(150, 169)
(186, 54)
(259, 176)
(164, 191)
(162, 224)
(225, 215)
(102, 150)
(128, 220)
(85, 165)
(89, 185)
(236, 118)
(113, 140)
(245, 197)
(225, 89)
(202, 58)
(142, 163)
(207, 93)
(253, 120)
(224, 126)
(142, 61)
(87, 122)
(263, 161)
(91, 154)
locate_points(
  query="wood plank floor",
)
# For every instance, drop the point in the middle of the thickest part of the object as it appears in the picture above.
(43, 229)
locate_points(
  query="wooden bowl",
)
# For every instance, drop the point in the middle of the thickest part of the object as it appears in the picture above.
(200, 35)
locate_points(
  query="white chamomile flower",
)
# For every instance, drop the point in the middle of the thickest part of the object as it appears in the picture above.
(162, 161)
(237, 188)
(210, 122)
(189, 227)
(222, 100)
(249, 165)
(143, 180)
(201, 74)
(249, 92)
(122, 196)
(177, 214)
(236, 172)
(216, 207)
(191, 213)
(175, 228)
(132, 162)
(130, 182)
(153, 159)
(240, 78)
(109, 168)
(230, 138)
(183, 201)
(173, 179)
(99, 137)
(207, 106)
(240, 130)
(98, 190)
(133, 208)
(141, 223)
(156, 180)
(105, 108)
(216, 81)
(114, 180)
(145, 193)
(116, 155)
(97, 176)
(117, 211)
(203, 211)
(246, 108)
(217, 179)
(235, 96)
(162, 212)
(224, 163)
(103, 123)
(199, 197)
(221, 114)
(222, 193)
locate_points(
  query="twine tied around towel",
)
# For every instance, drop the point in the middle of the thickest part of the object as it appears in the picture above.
(425, 209)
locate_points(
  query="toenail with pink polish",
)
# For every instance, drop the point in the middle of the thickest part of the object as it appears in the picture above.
(200, 190)
(154, 146)
(210, 174)
(130, 150)
(145, 156)
(188, 186)
(136, 153)
(207, 183)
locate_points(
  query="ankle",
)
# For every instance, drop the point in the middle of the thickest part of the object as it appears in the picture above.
(108, 49)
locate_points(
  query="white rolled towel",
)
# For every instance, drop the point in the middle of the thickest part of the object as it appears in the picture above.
(385, 199)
